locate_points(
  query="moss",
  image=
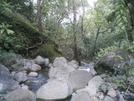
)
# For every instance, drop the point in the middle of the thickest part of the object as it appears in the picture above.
(48, 51)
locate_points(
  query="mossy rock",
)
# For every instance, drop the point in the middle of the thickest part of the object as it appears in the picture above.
(112, 62)
(48, 51)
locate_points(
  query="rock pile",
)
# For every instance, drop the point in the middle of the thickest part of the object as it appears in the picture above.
(65, 79)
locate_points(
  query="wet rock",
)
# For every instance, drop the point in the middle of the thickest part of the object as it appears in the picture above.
(20, 95)
(34, 83)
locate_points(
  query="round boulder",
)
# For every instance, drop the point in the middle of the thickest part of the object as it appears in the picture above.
(54, 90)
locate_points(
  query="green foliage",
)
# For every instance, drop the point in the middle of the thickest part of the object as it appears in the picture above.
(124, 79)
(106, 50)
(4, 29)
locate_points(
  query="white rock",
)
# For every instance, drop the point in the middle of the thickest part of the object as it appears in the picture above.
(35, 68)
(54, 90)
(33, 74)
(39, 60)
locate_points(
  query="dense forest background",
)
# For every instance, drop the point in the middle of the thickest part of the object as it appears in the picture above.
(79, 30)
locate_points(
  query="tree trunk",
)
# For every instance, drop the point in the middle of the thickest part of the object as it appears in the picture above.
(74, 32)
(39, 13)
(130, 6)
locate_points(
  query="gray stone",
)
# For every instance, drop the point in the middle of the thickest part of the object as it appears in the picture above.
(79, 79)
(60, 68)
(94, 85)
(112, 93)
(60, 62)
(7, 83)
(35, 68)
(92, 70)
(20, 95)
(107, 98)
(27, 64)
(82, 96)
(20, 77)
(100, 95)
(39, 60)
(46, 62)
(54, 90)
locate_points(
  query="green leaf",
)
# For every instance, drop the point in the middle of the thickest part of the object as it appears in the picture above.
(10, 32)
(1, 31)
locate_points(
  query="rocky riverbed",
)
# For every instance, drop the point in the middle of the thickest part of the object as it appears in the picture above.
(39, 80)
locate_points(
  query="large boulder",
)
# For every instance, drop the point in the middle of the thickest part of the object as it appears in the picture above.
(60, 68)
(93, 86)
(7, 83)
(79, 79)
(20, 95)
(54, 90)
(112, 61)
